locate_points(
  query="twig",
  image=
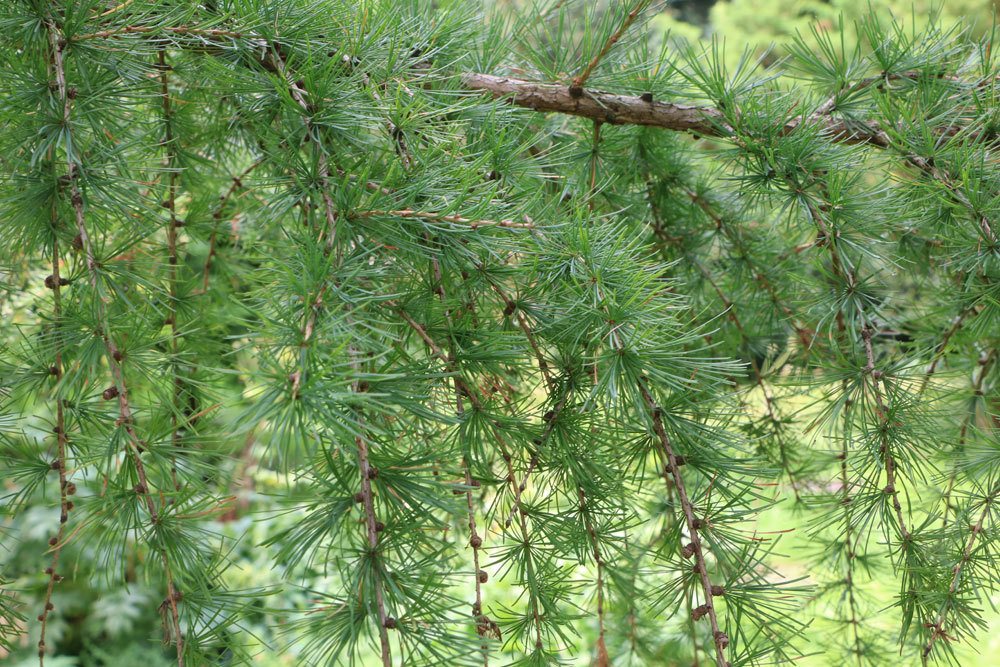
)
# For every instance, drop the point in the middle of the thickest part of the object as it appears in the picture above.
(171, 205)
(113, 354)
(694, 524)
(367, 474)
(986, 360)
(476, 399)
(443, 217)
(59, 463)
(630, 18)
(236, 182)
(484, 625)
(146, 29)
(938, 626)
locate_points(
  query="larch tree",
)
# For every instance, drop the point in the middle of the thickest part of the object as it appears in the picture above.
(391, 332)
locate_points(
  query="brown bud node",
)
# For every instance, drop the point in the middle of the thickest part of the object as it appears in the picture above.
(718, 590)
(699, 612)
(390, 623)
(476, 542)
(483, 576)
(109, 393)
(576, 92)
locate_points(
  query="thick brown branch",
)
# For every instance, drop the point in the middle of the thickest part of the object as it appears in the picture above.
(630, 110)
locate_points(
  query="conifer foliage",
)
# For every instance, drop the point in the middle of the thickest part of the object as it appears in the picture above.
(496, 339)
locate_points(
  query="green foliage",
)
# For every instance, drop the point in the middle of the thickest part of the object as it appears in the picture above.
(306, 345)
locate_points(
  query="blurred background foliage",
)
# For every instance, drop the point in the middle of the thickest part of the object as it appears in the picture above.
(771, 25)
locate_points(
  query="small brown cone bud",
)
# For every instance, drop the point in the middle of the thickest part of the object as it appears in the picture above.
(53, 541)
(390, 623)
(109, 393)
(379, 526)
(359, 497)
(722, 639)
(476, 542)
(688, 550)
(483, 576)
(718, 590)
(699, 612)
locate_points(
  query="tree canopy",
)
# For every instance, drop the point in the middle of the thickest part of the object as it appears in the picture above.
(404, 333)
